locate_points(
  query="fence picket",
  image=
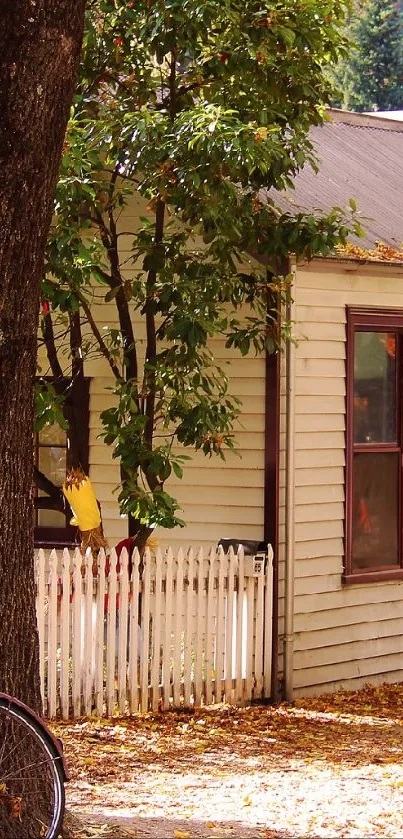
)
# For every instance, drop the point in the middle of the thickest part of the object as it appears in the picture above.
(134, 635)
(268, 626)
(166, 665)
(65, 635)
(88, 651)
(189, 644)
(178, 609)
(111, 634)
(77, 639)
(220, 625)
(123, 629)
(40, 611)
(239, 628)
(145, 626)
(200, 606)
(209, 652)
(52, 634)
(156, 632)
(229, 629)
(99, 636)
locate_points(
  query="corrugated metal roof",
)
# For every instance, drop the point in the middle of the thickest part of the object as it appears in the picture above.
(360, 157)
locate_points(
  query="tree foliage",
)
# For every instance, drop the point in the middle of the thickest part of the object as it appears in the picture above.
(371, 77)
(196, 109)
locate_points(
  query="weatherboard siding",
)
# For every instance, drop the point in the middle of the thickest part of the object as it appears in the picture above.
(344, 635)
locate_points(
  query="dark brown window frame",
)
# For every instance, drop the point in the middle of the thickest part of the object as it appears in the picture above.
(60, 537)
(382, 320)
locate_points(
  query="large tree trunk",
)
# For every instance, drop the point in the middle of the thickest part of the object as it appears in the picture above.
(39, 50)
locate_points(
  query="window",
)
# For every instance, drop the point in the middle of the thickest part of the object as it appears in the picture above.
(374, 443)
(55, 451)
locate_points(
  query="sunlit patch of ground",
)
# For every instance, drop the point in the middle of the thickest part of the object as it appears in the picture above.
(325, 767)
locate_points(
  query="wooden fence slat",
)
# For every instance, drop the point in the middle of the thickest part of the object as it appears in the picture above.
(209, 652)
(229, 628)
(156, 632)
(40, 611)
(52, 634)
(77, 640)
(239, 628)
(258, 637)
(189, 645)
(200, 636)
(220, 626)
(249, 604)
(145, 626)
(178, 610)
(123, 630)
(134, 634)
(268, 626)
(65, 635)
(166, 664)
(111, 634)
(88, 644)
(99, 635)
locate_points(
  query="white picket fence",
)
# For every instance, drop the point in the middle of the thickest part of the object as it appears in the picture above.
(186, 630)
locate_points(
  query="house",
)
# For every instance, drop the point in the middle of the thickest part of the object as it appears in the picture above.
(318, 472)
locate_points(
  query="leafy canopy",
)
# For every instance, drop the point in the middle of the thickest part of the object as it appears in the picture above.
(370, 78)
(196, 110)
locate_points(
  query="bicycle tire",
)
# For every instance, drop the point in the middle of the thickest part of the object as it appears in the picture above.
(32, 797)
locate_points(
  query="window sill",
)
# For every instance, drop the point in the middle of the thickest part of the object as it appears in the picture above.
(382, 575)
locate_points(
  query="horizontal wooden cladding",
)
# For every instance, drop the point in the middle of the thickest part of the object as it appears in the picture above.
(320, 566)
(325, 512)
(363, 632)
(319, 440)
(332, 350)
(319, 495)
(244, 441)
(307, 312)
(216, 496)
(380, 278)
(307, 531)
(390, 677)
(370, 608)
(317, 584)
(320, 386)
(348, 597)
(318, 458)
(320, 331)
(207, 534)
(352, 651)
(348, 670)
(328, 368)
(312, 549)
(327, 404)
(321, 475)
(317, 423)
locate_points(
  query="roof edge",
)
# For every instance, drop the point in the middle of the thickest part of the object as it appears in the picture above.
(364, 120)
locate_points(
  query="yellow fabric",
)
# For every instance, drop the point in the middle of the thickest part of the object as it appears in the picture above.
(83, 503)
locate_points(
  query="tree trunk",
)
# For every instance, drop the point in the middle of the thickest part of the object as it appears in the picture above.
(39, 51)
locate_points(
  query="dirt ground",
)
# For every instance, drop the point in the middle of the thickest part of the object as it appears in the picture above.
(325, 767)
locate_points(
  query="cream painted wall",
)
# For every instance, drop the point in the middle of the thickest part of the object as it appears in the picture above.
(344, 635)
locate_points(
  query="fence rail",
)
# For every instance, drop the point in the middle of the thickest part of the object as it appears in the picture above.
(178, 630)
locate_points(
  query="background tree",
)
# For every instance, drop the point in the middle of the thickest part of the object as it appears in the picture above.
(370, 78)
(39, 47)
(198, 108)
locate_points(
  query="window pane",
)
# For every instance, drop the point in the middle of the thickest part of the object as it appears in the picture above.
(52, 462)
(374, 387)
(51, 518)
(52, 435)
(375, 510)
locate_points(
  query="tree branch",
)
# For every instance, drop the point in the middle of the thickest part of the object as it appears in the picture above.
(101, 343)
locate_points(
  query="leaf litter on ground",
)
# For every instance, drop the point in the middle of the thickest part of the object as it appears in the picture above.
(329, 766)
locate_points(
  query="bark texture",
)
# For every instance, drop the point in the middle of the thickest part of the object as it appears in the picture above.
(40, 43)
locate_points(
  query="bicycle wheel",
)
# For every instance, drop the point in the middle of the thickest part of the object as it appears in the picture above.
(31, 777)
